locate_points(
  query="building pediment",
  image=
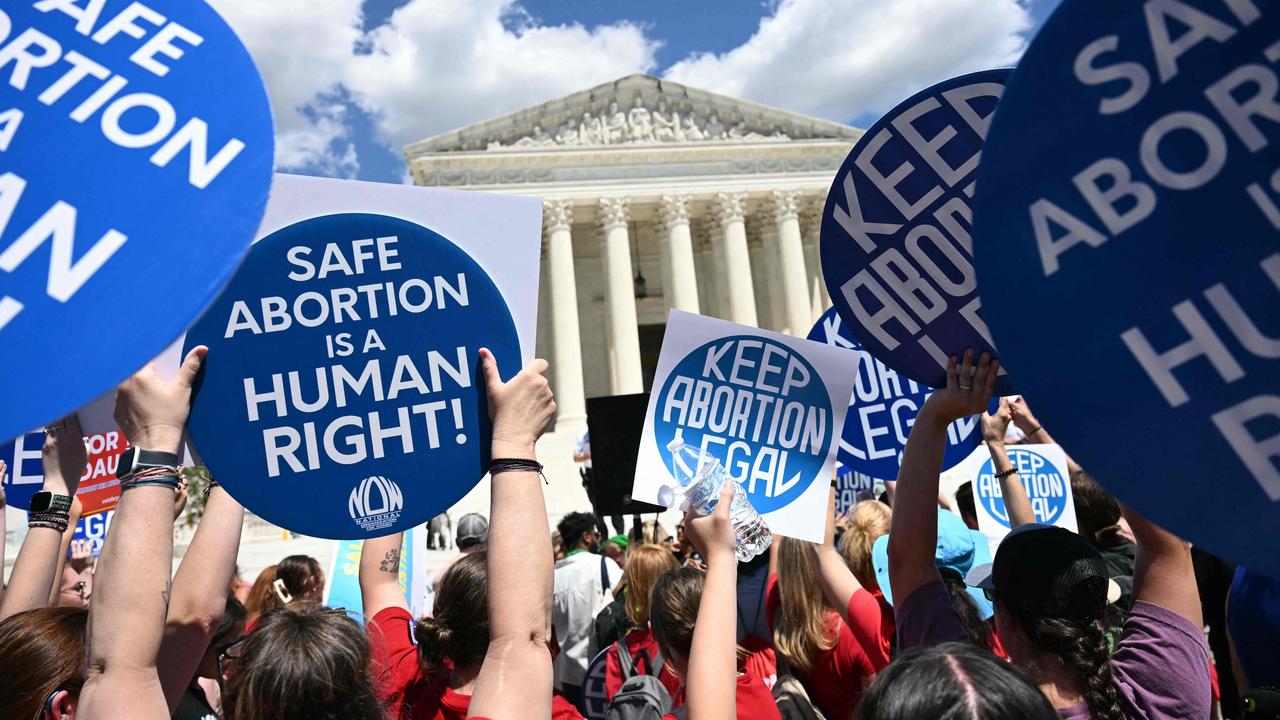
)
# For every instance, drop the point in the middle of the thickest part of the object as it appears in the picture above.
(634, 111)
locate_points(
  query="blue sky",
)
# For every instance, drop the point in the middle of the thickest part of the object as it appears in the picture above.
(356, 124)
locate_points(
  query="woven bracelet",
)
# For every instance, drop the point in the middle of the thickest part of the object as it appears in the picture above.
(500, 465)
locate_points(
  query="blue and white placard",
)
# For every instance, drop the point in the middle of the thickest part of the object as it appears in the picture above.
(135, 160)
(1043, 472)
(768, 406)
(1129, 202)
(342, 393)
(897, 255)
(92, 531)
(25, 476)
(882, 409)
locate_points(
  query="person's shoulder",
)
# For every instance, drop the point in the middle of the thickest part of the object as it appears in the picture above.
(562, 709)
(391, 620)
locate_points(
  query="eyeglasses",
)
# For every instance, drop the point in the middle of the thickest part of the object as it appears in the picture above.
(989, 594)
(230, 651)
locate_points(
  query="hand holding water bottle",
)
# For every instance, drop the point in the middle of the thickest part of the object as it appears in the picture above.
(713, 535)
(701, 478)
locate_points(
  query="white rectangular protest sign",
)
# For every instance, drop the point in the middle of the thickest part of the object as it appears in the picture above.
(1043, 472)
(770, 407)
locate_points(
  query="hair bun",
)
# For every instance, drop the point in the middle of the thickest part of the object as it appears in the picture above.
(435, 641)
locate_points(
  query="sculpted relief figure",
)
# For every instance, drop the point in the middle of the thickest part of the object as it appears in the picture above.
(568, 133)
(714, 130)
(740, 132)
(591, 132)
(640, 122)
(666, 128)
(616, 130)
(689, 127)
(538, 137)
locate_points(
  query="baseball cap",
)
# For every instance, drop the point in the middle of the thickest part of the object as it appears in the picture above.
(959, 549)
(1049, 570)
(473, 529)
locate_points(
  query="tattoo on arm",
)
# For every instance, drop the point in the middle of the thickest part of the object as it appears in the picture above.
(390, 563)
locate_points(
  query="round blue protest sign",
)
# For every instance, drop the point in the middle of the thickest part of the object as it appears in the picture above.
(25, 475)
(897, 254)
(1126, 222)
(341, 396)
(758, 407)
(137, 146)
(1047, 488)
(882, 410)
(595, 695)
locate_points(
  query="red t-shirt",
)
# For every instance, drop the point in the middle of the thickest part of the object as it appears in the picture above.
(639, 639)
(871, 623)
(838, 676)
(753, 696)
(401, 684)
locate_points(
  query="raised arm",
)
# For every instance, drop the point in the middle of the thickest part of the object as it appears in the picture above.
(380, 574)
(913, 534)
(858, 608)
(1163, 574)
(711, 687)
(1033, 431)
(131, 588)
(199, 595)
(515, 680)
(34, 570)
(1016, 503)
(64, 547)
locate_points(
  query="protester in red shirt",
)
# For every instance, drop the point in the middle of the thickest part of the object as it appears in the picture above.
(720, 683)
(426, 669)
(848, 580)
(809, 634)
(644, 564)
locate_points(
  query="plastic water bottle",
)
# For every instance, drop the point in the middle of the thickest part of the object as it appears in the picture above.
(700, 477)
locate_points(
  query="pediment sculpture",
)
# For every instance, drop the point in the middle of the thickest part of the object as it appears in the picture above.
(642, 123)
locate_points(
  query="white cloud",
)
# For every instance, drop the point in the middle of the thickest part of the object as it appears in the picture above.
(839, 59)
(440, 64)
(435, 66)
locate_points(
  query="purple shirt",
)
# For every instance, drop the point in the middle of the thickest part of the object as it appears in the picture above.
(1160, 666)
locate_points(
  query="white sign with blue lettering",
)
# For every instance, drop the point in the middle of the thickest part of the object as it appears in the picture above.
(897, 254)
(341, 396)
(1129, 201)
(136, 150)
(1043, 472)
(768, 406)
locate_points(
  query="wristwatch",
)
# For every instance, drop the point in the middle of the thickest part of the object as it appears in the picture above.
(134, 459)
(47, 502)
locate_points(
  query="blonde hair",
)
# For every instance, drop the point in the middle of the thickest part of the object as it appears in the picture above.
(800, 629)
(868, 521)
(644, 564)
(650, 532)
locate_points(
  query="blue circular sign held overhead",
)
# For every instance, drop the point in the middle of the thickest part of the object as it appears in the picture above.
(897, 255)
(758, 407)
(342, 394)
(882, 410)
(1126, 221)
(137, 146)
(1046, 487)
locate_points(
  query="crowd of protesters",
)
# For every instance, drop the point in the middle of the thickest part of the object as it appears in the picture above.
(897, 615)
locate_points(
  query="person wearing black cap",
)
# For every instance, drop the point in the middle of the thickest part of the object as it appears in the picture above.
(1049, 587)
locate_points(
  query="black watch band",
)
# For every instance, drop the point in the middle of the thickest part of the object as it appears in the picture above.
(134, 459)
(49, 502)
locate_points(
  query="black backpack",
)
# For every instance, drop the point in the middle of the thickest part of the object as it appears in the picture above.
(641, 697)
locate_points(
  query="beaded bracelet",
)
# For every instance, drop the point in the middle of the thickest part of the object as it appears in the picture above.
(1006, 473)
(500, 465)
(152, 476)
(53, 521)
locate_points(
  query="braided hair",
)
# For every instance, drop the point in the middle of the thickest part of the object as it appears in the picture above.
(1083, 648)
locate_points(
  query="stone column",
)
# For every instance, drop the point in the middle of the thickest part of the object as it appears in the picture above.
(811, 229)
(624, 332)
(557, 218)
(731, 209)
(681, 273)
(795, 283)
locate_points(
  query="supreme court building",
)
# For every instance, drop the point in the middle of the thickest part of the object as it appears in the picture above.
(656, 196)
